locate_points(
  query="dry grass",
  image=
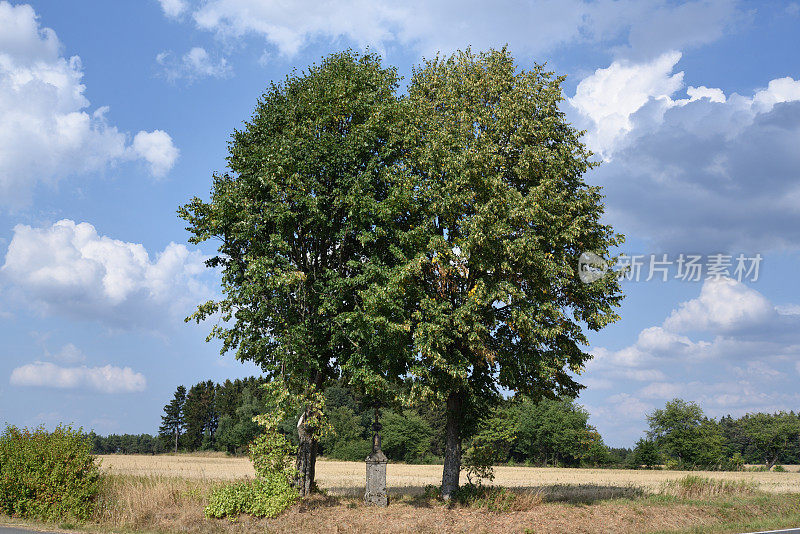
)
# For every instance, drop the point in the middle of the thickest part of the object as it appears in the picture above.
(347, 478)
(697, 487)
(153, 502)
(168, 494)
(157, 504)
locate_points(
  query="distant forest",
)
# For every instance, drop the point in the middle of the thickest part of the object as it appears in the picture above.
(219, 417)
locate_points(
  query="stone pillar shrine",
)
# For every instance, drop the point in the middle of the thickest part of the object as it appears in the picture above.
(376, 470)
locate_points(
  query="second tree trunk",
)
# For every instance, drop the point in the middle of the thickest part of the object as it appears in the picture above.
(452, 450)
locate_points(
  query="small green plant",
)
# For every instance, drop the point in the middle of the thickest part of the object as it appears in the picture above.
(261, 497)
(272, 490)
(779, 468)
(490, 446)
(50, 476)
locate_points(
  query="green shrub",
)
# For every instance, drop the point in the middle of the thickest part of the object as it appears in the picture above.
(779, 468)
(47, 475)
(757, 468)
(271, 453)
(672, 464)
(406, 437)
(645, 454)
(733, 463)
(262, 497)
(353, 451)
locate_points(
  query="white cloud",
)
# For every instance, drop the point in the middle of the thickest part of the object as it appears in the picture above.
(106, 379)
(724, 305)
(745, 362)
(173, 8)
(781, 90)
(662, 390)
(529, 27)
(69, 353)
(156, 147)
(623, 406)
(610, 96)
(705, 172)
(46, 129)
(712, 94)
(194, 64)
(69, 269)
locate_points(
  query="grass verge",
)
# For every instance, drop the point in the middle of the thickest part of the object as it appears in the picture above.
(166, 504)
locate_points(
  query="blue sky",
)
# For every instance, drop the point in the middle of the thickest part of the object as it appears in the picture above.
(113, 114)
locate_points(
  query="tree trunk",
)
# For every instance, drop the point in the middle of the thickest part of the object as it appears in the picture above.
(771, 462)
(306, 459)
(176, 440)
(452, 450)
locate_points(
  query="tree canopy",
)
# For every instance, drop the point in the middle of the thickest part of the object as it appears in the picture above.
(300, 218)
(503, 214)
(682, 431)
(430, 240)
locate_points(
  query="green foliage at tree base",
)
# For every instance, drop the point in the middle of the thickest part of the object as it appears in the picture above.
(47, 475)
(262, 497)
(272, 491)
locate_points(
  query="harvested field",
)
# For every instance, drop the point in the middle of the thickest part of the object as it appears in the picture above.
(168, 494)
(347, 478)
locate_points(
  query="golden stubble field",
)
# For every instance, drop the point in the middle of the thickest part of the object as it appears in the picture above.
(347, 478)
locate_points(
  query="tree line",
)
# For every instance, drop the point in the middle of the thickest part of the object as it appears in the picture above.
(682, 436)
(549, 432)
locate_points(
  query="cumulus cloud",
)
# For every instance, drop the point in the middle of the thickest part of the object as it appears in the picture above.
(529, 27)
(157, 149)
(194, 64)
(173, 8)
(611, 95)
(738, 352)
(69, 269)
(724, 305)
(705, 172)
(47, 131)
(106, 379)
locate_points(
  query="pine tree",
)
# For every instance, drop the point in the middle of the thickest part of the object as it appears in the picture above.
(172, 422)
(199, 415)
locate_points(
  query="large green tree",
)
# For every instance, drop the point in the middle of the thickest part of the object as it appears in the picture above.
(555, 431)
(302, 218)
(502, 214)
(770, 435)
(682, 431)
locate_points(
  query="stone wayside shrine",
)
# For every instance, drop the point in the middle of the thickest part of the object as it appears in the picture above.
(376, 470)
